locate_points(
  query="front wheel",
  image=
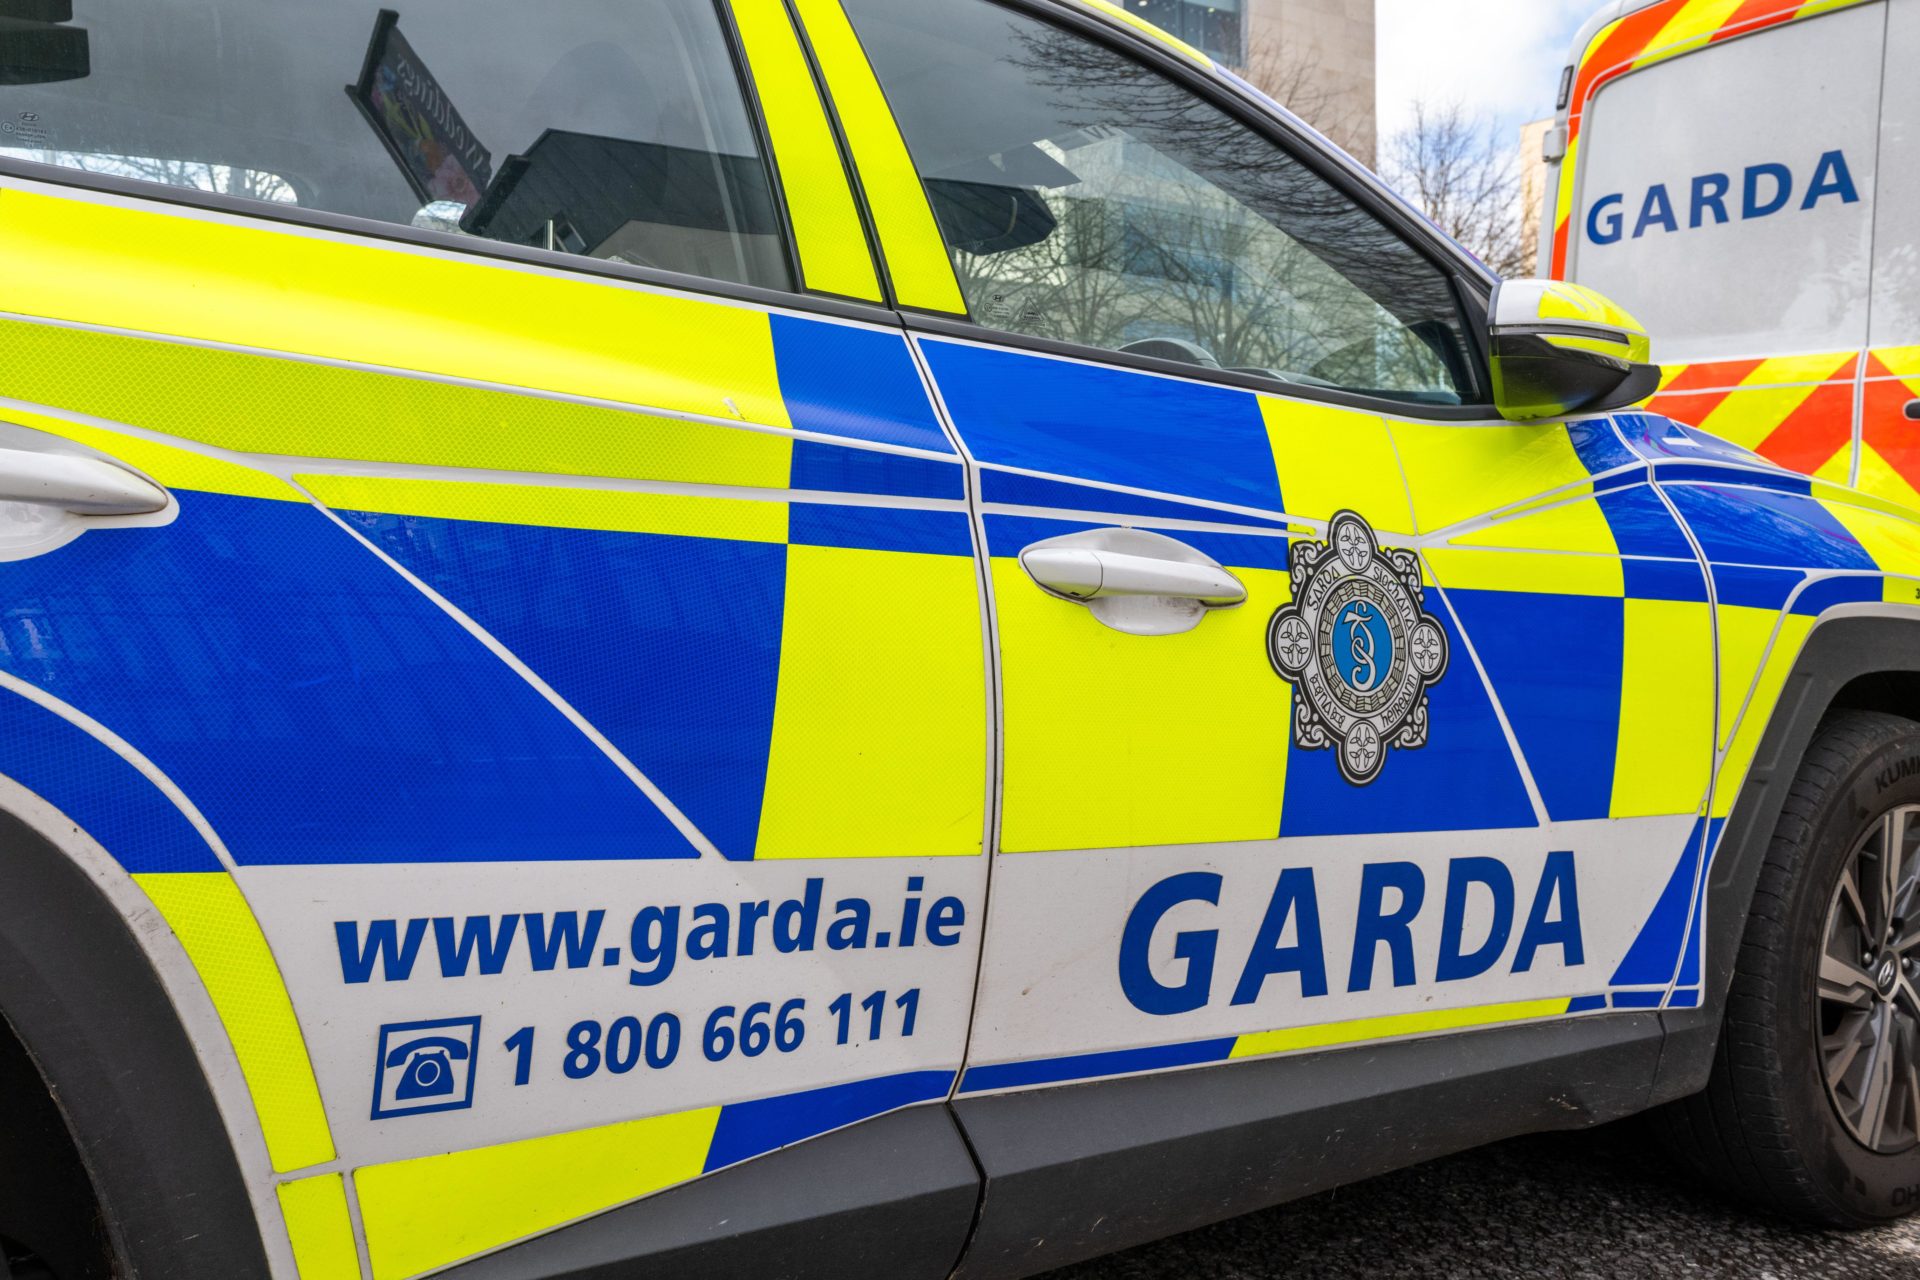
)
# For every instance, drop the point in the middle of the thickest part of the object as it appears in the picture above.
(1813, 1107)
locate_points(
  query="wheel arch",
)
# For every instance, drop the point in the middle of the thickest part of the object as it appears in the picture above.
(122, 1051)
(1861, 657)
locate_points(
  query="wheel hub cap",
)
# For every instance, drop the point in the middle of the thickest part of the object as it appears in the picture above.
(1867, 1001)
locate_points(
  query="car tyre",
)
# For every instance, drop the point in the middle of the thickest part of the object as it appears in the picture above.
(1811, 1001)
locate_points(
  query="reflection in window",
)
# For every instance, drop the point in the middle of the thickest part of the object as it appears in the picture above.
(612, 128)
(1088, 200)
(1212, 26)
(215, 179)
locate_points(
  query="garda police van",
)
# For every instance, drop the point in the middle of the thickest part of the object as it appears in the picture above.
(1746, 177)
(874, 638)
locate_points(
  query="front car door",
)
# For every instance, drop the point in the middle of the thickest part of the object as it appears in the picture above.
(1444, 766)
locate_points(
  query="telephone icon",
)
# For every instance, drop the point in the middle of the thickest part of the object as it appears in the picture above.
(428, 1066)
(425, 1066)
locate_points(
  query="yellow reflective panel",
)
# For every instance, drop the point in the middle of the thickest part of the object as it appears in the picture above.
(1892, 538)
(1748, 416)
(1579, 525)
(879, 728)
(172, 467)
(1458, 471)
(1879, 478)
(834, 257)
(1814, 368)
(1115, 740)
(1546, 573)
(1745, 636)
(1665, 748)
(319, 1228)
(917, 260)
(1563, 197)
(1330, 459)
(1759, 711)
(1813, 7)
(1901, 362)
(1691, 26)
(1404, 1024)
(207, 913)
(439, 313)
(426, 1213)
(681, 515)
(265, 404)
(1564, 301)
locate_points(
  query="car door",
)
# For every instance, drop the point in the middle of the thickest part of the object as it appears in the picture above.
(564, 639)
(1378, 795)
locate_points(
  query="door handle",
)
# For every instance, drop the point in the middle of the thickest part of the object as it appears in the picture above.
(78, 485)
(1141, 583)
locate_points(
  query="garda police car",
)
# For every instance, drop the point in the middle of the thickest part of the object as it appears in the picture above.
(869, 638)
(1746, 177)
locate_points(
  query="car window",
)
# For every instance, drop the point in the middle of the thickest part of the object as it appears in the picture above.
(1086, 198)
(617, 129)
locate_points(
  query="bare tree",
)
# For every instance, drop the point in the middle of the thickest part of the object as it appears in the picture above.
(1463, 174)
(1293, 77)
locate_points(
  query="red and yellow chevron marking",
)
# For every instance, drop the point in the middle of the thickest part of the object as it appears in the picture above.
(1795, 410)
(1654, 34)
(1889, 440)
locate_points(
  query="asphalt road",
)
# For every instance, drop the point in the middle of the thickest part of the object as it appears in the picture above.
(1567, 1206)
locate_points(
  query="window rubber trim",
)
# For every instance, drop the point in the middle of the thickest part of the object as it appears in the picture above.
(940, 326)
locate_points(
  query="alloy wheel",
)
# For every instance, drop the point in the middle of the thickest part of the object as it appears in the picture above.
(1868, 1000)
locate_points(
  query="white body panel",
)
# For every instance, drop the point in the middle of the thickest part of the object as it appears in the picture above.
(1726, 196)
(298, 908)
(1060, 992)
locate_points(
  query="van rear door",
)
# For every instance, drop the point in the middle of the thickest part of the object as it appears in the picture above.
(1890, 431)
(1726, 196)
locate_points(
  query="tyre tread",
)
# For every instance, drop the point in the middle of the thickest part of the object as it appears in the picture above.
(1736, 1132)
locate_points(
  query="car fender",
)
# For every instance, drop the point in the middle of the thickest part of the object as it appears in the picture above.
(1863, 655)
(97, 987)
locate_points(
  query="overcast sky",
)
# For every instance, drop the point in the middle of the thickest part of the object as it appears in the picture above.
(1499, 58)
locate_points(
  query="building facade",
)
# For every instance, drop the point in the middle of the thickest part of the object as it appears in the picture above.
(1316, 56)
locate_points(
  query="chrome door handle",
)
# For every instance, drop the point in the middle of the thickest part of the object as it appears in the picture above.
(79, 485)
(1133, 581)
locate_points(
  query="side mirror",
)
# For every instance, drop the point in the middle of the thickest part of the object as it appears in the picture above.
(1561, 348)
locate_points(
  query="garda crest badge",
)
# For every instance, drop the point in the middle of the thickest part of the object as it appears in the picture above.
(1358, 648)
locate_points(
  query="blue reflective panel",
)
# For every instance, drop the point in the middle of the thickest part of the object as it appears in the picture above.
(844, 381)
(1015, 490)
(1737, 525)
(107, 797)
(748, 1129)
(314, 705)
(668, 645)
(1114, 426)
(1557, 662)
(1463, 779)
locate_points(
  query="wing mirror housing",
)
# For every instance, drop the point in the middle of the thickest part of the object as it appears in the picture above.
(1561, 349)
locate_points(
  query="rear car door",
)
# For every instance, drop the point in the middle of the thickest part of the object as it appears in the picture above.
(563, 657)
(1321, 815)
